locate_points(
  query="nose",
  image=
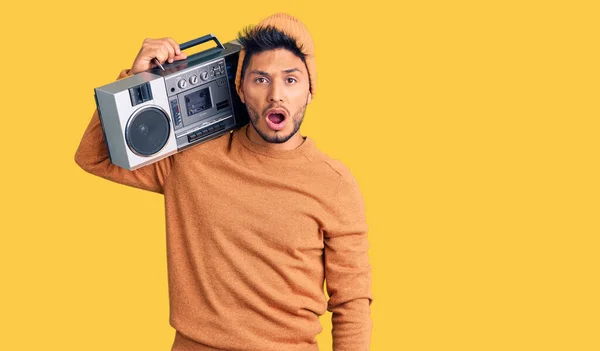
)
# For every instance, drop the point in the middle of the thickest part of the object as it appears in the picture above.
(276, 92)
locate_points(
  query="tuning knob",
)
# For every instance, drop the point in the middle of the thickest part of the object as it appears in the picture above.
(194, 79)
(204, 75)
(182, 83)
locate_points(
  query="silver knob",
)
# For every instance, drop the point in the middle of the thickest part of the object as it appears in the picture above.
(194, 79)
(182, 83)
(204, 75)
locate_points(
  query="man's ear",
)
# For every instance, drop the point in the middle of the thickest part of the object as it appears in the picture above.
(309, 98)
(241, 92)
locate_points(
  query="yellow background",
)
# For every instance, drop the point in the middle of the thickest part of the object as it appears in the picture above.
(472, 128)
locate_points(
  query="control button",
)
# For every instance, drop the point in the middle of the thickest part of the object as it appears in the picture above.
(182, 84)
(194, 79)
(204, 75)
(175, 111)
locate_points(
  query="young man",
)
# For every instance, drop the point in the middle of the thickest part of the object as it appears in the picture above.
(258, 218)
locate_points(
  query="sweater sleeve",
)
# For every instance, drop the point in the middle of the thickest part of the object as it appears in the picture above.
(92, 156)
(347, 269)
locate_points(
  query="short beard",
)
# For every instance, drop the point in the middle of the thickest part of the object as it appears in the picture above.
(297, 118)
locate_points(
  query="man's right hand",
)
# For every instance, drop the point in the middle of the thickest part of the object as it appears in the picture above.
(164, 49)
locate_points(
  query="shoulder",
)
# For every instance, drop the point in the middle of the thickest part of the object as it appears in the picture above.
(333, 168)
(345, 202)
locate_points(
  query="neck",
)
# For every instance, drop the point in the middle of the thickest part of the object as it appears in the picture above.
(292, 143)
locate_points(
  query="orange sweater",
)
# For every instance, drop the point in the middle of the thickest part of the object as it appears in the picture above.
(251, 235)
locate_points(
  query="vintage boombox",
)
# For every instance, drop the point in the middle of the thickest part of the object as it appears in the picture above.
(162, 111)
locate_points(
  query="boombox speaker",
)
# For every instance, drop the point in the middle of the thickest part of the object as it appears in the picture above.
(157, 113)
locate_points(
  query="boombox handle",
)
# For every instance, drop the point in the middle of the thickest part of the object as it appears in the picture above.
(201, 40)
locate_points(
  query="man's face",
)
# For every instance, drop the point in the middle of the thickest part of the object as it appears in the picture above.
(275, 90)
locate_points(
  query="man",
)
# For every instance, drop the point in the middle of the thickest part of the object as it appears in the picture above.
(257, 218)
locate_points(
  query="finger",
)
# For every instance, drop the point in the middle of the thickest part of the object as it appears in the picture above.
(175, 45)
(170, 51)
(181, 56)
(161, 52)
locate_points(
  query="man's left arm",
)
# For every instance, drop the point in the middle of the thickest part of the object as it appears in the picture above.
(347, 269)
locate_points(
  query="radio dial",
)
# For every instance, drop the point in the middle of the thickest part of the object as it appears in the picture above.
(204, 75)
(182, 83)
(194, 79)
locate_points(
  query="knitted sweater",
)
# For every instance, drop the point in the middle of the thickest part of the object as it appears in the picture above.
(252, 233)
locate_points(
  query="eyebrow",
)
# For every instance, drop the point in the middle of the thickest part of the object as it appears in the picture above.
(263, 73)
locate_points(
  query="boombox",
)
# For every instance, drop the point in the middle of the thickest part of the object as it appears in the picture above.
(164, 110)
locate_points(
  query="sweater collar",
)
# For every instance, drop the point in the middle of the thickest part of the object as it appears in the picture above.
(306, 145)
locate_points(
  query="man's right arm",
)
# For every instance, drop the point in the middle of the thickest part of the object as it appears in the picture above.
(92, 154)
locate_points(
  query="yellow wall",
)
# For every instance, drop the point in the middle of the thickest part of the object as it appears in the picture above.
(472, 128)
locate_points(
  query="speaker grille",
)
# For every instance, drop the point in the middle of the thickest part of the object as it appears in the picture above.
(148, 131)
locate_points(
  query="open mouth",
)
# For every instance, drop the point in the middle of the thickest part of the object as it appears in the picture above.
(276, 117)
(276, 120)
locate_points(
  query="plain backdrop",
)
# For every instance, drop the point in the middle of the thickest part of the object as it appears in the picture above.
(471, 127)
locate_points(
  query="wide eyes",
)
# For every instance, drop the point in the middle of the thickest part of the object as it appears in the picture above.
(263, 80)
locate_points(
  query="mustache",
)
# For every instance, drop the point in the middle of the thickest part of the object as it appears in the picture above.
(270, 106)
